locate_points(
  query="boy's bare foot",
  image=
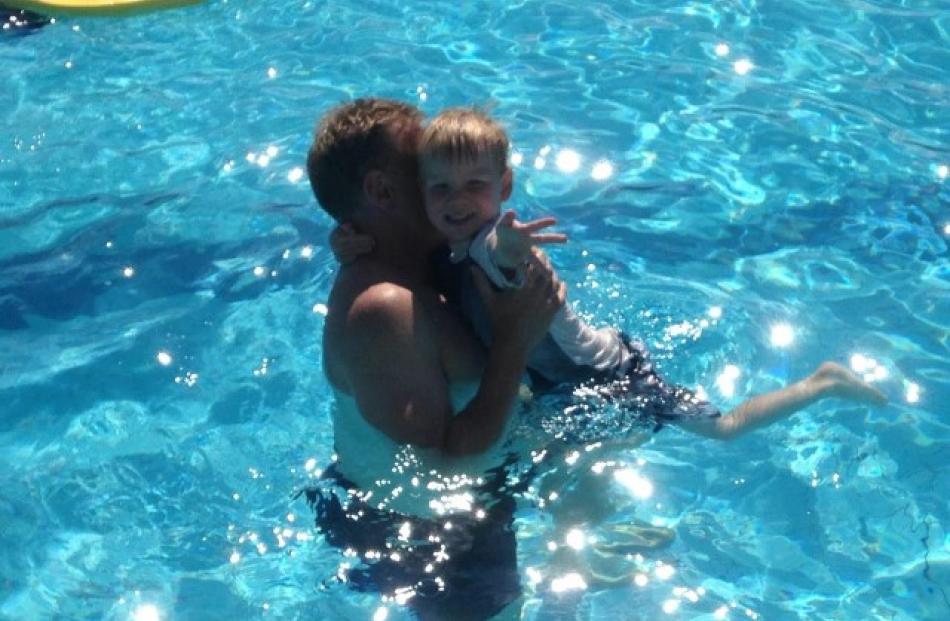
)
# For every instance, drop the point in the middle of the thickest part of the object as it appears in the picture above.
(621, 539)
(834, 380)
(607, 562)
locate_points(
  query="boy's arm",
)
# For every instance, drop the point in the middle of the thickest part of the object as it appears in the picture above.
(503, 247)
(348, 245)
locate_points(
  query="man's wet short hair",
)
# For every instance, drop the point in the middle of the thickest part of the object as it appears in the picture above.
(351, 140)
(465, 134)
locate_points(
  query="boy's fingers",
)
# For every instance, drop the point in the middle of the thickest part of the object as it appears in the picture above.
(362, 241)
(536, 225)
(507, 219)
(549, 238)
(357, 251)
(353, 249)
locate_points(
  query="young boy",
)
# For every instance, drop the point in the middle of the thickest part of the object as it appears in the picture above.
(463, 156)
(465, 178)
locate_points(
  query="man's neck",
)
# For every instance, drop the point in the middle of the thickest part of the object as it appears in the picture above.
(411, 260)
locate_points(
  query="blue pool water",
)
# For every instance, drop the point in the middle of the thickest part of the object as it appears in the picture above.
(750, 187)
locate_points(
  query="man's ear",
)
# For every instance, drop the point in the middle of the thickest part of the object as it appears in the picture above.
(376, 188)
(506, 184)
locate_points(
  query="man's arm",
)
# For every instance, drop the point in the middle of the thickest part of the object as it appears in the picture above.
(392, 362)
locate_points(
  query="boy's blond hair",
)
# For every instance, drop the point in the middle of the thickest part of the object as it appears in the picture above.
(464, 134)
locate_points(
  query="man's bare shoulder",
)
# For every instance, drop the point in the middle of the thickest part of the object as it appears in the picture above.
(382, 312)
(370, 312)
(365, 296)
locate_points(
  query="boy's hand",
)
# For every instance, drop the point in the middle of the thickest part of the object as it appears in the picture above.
(348, 245)
(514, 240)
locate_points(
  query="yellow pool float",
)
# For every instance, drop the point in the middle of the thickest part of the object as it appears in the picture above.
(95, 7)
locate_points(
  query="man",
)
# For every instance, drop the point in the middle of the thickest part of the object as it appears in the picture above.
(397, 358)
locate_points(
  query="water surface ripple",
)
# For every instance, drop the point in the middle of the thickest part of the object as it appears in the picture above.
(739, 164)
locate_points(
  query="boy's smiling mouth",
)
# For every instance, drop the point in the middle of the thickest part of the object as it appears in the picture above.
(454, 220)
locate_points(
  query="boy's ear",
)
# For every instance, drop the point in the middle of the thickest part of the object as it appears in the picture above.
(376, 188)
(506, 184)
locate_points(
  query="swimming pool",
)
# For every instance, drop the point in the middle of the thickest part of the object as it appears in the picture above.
(749, 187)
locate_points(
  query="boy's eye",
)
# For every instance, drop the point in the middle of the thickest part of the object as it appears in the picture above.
(438, 188)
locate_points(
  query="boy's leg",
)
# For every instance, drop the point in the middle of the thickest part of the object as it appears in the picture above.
(829, 380)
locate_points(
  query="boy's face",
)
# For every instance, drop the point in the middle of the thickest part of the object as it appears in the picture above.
(460, 197)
